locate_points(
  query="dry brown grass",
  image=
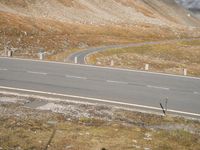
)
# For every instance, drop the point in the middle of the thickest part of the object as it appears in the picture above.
(34, 129)
(27, 35)
(169, 58)
(27, 26)
(62, 56)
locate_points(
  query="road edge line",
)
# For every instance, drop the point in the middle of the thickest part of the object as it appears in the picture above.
(100, 100)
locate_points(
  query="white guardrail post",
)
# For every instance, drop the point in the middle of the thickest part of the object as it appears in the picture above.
(76, 60)
(112, 63)
(41, 56)
(146, 68)
(185, 72)
(9, 53)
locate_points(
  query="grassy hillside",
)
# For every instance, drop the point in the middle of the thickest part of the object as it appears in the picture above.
(60, 25)
(169, 57)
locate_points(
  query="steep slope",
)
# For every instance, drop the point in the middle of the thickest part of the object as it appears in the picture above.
(57, 25)
(157, 12)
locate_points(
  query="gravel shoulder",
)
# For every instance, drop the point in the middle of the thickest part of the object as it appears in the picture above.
(34, 123)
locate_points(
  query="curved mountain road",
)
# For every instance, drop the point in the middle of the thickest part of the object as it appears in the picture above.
(81, 55)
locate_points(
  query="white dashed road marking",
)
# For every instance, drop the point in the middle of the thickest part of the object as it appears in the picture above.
(3, 69)
(158, 87)
(100, 67)
(117, 82)
(75, 77)
(197, 93)
(40, 73)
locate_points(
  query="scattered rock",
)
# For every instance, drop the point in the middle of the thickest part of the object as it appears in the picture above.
(137, 146)
(148, 137)
(68, 147)
(52, 122)
(87, 133)
(82, 45)
(134, 141)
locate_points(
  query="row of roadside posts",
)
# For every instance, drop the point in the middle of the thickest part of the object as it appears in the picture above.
(41, 55)
(147, 66)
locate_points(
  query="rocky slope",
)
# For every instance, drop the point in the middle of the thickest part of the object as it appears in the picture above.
(57, 25)
(101, 12)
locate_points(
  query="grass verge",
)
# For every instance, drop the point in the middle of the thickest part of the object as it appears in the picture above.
(165, 57)
(90, 127)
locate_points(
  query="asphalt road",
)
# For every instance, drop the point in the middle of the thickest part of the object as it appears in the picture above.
(81, 55)
(117, 85)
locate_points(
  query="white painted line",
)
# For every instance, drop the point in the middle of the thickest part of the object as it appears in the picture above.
(117, 82)
(40, 73)
(3, 69)
(100, 67)
(182, 112)
(197, 93)
(158, 87)
(100, 100)
(75, 77)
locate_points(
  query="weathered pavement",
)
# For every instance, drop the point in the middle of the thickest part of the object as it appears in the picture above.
(114, 85)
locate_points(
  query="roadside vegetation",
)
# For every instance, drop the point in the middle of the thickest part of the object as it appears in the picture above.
(166, 57)
(74, 126)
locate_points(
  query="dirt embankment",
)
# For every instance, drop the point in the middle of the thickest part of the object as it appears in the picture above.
(59, 25)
